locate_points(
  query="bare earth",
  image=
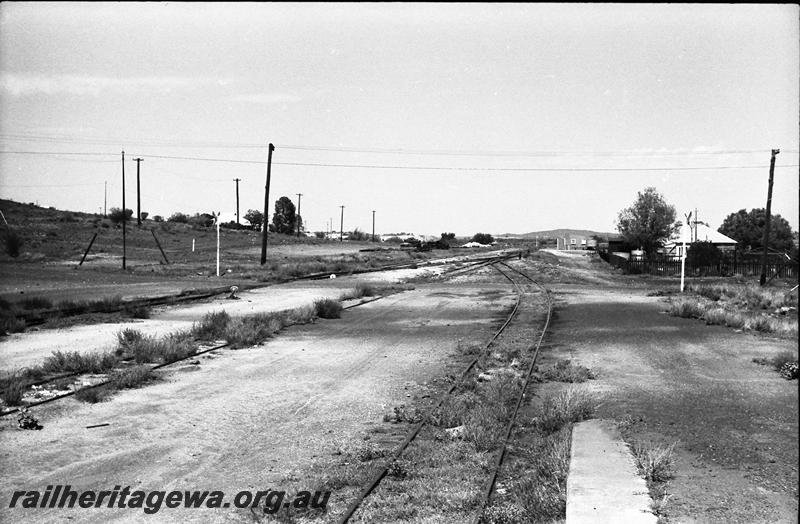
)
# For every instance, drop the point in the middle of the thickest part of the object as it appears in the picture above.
(247, 419)
(736, 422)
(251, 419)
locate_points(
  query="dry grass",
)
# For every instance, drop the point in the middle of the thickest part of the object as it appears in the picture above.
(654, 462)
(328, 308)
(566, 371)
(75, 362)
(569, 406)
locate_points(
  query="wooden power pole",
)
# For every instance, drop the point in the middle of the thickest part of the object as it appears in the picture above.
(341, 226)
(138, 194)
(237, 199)
(763, 279)
(124, 214)
(373, 225)
(298, 214)
(266, 207)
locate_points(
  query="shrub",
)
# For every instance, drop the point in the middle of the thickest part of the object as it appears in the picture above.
(132, 377)
(13, 243)
(158, 218)
(213, 326)
(177, 346)
(178, 217)
(116, 215)
(251, 330)
(126, 339)
(9, 323)
(75, 362)
(36, 303)
(12, 388)
(483, 238)
(328, 308)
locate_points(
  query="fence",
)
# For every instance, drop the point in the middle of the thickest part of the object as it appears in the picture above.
(672, 267)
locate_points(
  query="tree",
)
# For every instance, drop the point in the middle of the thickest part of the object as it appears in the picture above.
(483, 238)
(747, 228)
(648, 222)
(283, 220)
(703, 254)
(115, 215)
(144, 215)
(255, 217)
(178, 217)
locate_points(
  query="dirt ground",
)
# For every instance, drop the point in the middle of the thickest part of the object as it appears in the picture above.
(256, 418)
(248, 419)
(735, 422)
(19, 350)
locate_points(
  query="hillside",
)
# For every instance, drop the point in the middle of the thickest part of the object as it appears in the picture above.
(559, 233)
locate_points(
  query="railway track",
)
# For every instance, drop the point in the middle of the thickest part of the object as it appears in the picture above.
(35, 318)
(472, 266)
(414, 431)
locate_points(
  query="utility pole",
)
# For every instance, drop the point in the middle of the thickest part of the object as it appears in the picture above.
(138, 195)
(763, 279)
(105, 198)
(373, 225)
(341, 227)
(124, 214)
(237, 199)
(298, 214)
(266, 208)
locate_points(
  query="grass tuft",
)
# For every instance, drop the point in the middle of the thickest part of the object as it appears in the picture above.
(654, 462)
(328, 308)
(213, 326)
(566, 371)
(571, 405)
(132, 377)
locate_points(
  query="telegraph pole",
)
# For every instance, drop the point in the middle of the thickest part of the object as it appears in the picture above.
(341, 227)
(124, 214)
(266, 207)
(237, 199)
(138, 195)
(105, 198)
(763, 279)
(373, 225)
(298, 214)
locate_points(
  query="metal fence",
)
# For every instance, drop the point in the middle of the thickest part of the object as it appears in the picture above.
(672, 267)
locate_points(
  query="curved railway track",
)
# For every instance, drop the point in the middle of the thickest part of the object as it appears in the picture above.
(415, 430)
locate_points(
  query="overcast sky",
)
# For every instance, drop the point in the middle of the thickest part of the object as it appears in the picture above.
(440, 117)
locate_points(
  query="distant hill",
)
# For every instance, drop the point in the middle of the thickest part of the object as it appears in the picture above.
(559, 233)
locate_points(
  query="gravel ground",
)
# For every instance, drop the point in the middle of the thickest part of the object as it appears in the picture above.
(248, 419)
(735, 422)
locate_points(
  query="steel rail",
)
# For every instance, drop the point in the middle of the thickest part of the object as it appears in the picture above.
(500, 457)
(158, 366)
(412, 434)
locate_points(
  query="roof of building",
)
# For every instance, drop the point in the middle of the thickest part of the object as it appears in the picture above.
(704, 234)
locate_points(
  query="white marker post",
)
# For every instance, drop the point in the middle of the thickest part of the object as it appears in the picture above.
(192, 245)
(217, 247)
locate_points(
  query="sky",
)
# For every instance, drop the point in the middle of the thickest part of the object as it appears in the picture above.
(464, 118)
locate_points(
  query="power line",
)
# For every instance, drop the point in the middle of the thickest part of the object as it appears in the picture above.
(394, 151)
(420, 168)
(522, 153)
